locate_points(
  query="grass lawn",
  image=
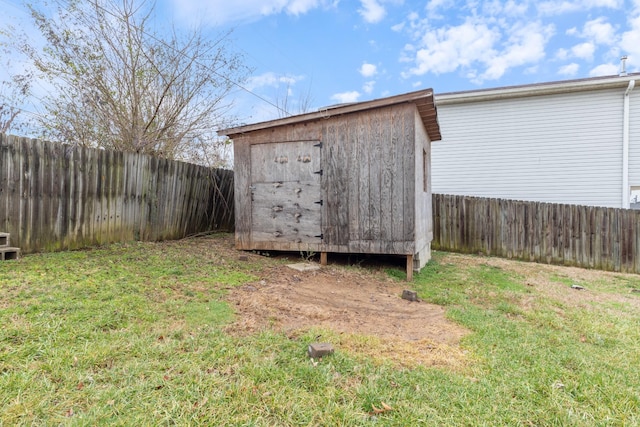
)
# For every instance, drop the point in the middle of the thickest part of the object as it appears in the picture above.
(134, 335)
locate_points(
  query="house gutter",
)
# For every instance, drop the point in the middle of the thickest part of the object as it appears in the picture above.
(625, 146)
(539, 89)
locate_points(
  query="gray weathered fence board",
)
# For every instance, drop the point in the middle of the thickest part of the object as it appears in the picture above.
(583, 236)
(56, 197)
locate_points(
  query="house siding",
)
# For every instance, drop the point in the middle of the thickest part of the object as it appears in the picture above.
(634, 137)
(560, 148)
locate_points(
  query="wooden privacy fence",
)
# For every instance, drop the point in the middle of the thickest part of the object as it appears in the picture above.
(55, 196)
(583, 236)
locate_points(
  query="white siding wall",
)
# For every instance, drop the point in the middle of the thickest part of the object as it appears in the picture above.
(562, 148)
(634, 137)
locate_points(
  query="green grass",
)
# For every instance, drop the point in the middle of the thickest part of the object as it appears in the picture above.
(135, 335)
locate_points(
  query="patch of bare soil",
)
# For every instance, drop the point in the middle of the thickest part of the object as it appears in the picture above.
(365, 308)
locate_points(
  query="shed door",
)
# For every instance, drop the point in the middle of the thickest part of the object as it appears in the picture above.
(285, 187)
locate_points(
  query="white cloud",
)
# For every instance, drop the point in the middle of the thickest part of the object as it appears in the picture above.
(525, 46)
(560, 7)
(477, 49)
(220, 12)
(583, 51)
(271, 79)
(630, 43)
(368, 86)
(504, 9)
(512, 8)
(346, 97)
(600, 31)
(604, 70)
(612, 4)
(556, 8)
(448, 48)
(300, 7)
(368, 70)
(569, 69)
(372, 11)
(434, 6)
(562, 54)
(398, 27)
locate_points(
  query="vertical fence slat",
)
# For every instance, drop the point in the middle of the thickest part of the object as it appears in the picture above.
(585, 236)
(57, 197)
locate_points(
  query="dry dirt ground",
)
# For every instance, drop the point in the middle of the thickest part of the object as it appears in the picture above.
(365, 311)
(363, 308)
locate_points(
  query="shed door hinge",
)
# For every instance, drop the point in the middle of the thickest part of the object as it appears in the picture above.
(319, 144)
(321, 236)
(319, 202)
(319, 172)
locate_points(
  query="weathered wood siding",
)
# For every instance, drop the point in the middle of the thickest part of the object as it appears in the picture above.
(584, 236)
(369, 159)
(368, 184)
(242, 175)
(55, 197)
(423, 200)
(285, 192)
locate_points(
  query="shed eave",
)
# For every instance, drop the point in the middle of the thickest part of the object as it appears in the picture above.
(423, 99)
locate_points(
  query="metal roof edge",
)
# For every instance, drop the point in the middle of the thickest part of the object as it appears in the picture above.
(536, 89)
(330, 111)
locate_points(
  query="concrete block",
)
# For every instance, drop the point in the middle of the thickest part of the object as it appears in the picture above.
(320, 349)
(7, 253)
(410, 295)
(303, 266)
(421, 258)
(4, 239)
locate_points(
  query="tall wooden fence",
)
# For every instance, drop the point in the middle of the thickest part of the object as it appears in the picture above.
(55, 196)
(584, 236)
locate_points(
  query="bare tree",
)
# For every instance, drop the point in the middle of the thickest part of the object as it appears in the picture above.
(285, 105)
(12, 96)
(117, 83)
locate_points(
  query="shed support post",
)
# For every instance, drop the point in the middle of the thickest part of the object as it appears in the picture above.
(323, 258)
(409, 268)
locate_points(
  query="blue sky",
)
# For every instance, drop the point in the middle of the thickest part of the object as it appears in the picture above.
(334, 51)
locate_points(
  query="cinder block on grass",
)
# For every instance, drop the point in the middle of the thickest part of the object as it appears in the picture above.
(9, 253)
(320, 349)
(304, 266)
(410, 295)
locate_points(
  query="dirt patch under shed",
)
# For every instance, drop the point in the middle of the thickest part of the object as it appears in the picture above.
(364, 308)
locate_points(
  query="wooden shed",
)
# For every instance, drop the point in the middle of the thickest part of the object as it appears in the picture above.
(352, 178)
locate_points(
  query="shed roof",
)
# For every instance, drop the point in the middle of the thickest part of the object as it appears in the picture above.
(423, 100)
